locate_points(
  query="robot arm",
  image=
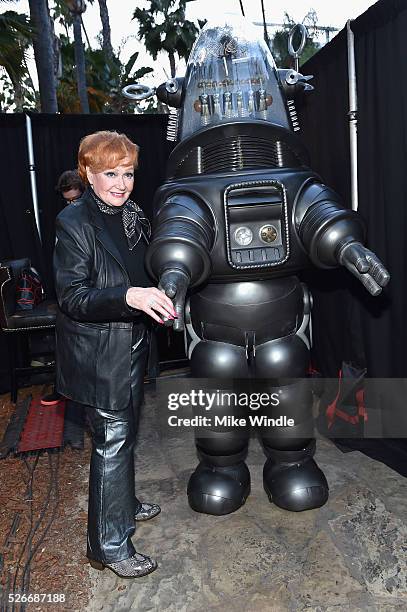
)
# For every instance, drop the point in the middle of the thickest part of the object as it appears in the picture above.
(178, 254)
(334, 235)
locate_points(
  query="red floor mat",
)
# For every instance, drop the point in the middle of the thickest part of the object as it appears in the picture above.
(43, 428)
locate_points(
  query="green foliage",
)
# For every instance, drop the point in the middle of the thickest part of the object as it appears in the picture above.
(61, 13)
(280, 42)
(15, 34)
(163, 27)
(105, 77)
(15, 38)
(105, 81)
(25, 98)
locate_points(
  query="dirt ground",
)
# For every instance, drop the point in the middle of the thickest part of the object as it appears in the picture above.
(43, 501)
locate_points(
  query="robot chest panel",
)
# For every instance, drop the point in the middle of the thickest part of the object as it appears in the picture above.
(256, 224)
(256, 233)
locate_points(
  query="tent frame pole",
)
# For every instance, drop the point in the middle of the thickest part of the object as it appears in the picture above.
(353, 116)
(33, 181)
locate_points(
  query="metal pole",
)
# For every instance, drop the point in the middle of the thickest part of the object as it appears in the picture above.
(353, 116)
(30, 149)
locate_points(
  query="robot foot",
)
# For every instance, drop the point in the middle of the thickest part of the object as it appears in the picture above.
(218, 490)
(295, 486)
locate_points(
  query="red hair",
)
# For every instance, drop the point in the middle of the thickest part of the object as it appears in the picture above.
(103, 150)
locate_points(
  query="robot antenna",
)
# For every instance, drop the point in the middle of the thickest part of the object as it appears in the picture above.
(296, 53)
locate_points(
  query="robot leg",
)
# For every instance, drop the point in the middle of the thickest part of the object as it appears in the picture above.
(292, 479)
(221, 482)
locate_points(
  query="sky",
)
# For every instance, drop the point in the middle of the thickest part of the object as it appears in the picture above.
(124, 30)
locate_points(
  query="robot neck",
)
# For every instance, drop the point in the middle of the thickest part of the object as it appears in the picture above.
(237, 147)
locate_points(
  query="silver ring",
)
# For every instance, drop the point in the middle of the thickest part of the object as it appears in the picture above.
(152, 303)
(138, 92)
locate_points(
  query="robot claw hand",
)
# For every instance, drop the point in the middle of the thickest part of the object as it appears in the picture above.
(175, 284)
(365, 265)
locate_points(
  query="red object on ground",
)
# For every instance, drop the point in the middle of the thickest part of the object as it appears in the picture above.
(51, 399)
(43, 428)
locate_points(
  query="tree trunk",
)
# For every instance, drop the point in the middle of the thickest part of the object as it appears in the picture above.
(107, 42)
(44, 56)
(18, 94)
(80, 64)
(172, 63)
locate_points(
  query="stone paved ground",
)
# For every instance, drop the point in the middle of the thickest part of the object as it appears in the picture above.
(349, 555)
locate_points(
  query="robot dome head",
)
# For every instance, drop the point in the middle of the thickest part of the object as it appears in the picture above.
(231, 76)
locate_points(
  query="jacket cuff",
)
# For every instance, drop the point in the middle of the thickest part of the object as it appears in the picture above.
(135, 312)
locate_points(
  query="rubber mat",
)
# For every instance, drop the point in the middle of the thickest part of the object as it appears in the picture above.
(43, 428)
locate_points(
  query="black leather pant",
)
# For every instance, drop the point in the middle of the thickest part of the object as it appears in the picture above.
(112, 500)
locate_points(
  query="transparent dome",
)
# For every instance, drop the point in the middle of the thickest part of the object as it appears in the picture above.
(231, 76)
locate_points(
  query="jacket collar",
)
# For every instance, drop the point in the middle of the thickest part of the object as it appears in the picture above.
(96, 219)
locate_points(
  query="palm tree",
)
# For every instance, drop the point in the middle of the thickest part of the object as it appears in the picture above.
(163, 29)
(107, 42)
(77, 7)
(44, 54)
(15, 37)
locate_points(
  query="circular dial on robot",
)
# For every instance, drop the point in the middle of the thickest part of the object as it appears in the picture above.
(243, 236)
(268, 233)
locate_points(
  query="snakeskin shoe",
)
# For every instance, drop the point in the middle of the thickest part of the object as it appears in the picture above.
(136, 566)
(147, 512)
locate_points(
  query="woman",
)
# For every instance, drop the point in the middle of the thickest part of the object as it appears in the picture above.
(106, 301)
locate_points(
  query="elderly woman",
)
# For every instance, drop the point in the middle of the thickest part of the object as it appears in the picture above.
(106, 301)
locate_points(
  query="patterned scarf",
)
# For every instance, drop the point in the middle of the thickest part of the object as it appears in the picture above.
(135, 223)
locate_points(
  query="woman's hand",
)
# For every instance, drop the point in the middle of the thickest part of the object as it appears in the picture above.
(151, 300)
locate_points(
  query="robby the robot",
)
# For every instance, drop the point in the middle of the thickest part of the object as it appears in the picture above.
(239, 216)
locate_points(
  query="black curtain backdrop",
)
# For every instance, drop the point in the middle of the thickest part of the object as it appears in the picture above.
(380, 37)
(18, 233)
(349, 324)
(324, 123)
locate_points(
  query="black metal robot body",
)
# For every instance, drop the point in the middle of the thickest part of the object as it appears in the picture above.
(239, 216)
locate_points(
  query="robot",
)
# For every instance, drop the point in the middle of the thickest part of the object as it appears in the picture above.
(239, 216)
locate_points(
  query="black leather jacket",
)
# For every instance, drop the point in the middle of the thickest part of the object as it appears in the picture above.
(94, 323)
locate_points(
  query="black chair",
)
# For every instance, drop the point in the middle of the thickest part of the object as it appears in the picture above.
(19, 325)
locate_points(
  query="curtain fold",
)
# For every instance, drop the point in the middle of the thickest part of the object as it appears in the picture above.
(382, 154)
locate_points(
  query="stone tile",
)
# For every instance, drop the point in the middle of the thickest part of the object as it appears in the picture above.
(394, 606)
(272, 599)
(373, 541)
(389, 486)
(240, 559)
(180, 454)
(324, 577)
